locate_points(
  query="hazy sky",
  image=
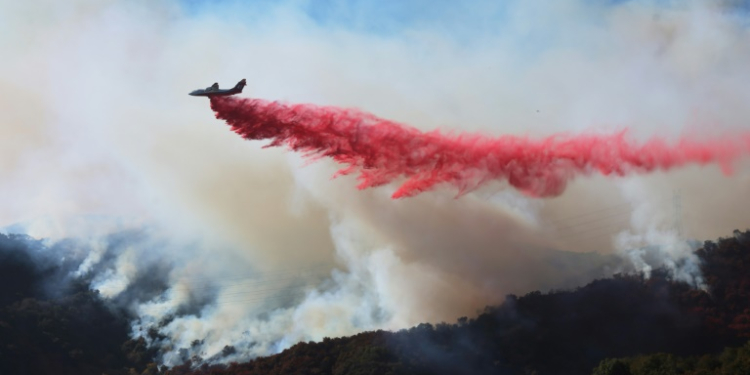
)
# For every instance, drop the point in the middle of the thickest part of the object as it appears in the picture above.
(100, 136)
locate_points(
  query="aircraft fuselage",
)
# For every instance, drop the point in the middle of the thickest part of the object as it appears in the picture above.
(215, 91)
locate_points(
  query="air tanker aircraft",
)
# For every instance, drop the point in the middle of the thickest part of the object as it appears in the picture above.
(214, 90)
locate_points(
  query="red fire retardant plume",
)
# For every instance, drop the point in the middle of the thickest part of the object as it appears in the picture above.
(383, 151)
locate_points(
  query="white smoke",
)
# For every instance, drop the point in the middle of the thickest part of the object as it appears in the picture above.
(654, 238)
(213, 240)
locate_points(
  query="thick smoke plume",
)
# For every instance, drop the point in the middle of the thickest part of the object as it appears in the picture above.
(101, 144)
(383, 150)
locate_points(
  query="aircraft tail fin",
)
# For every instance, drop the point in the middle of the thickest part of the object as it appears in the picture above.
(240, 85)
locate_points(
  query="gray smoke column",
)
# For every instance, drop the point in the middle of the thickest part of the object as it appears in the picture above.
(214, 242)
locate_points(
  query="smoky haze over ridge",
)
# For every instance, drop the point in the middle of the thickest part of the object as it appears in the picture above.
(104, 138)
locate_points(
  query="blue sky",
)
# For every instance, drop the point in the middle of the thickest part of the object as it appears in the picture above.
(463, 21)
(367, 15)
(395, 15)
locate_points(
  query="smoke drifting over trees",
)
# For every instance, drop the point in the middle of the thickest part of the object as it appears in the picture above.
(52, 321)
(564, 332)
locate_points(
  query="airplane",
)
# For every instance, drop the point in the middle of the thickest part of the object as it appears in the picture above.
(214, 90)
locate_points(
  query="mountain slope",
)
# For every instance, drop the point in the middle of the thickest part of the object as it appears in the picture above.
(563, 332)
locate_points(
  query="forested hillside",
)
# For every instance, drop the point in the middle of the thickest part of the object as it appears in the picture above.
(563, 332)
(53, 323)
(731, 361)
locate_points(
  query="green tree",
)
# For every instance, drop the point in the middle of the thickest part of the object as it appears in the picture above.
(612, 366)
